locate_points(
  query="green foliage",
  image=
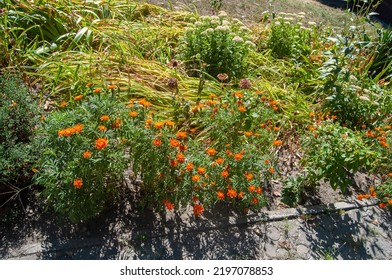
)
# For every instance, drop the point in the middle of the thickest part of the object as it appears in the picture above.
(18, 117)
(334, 152)
(292, 190)
(288, 39)
(215, 45)
(78, 169)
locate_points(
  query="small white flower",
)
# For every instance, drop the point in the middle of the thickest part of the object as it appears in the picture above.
(222, 28)
(250, 44)
(238, 39)
(302, 13)
(225, 22)
(312, 23)
(222, 14)
(214, 18)
(198, 23)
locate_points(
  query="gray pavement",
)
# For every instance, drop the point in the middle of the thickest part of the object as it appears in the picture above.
(349, 231)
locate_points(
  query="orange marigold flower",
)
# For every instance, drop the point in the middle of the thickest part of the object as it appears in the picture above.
(173, 163)
(259, 190)
(159, 125)
(239, 94)
(133, 113)
(97, 90)
(181, 135)
(87, 154)
(189, 166)
(267, 161)
(360, 197)
(201, 170)
(255, 201)
(102, 128)
(174, 143)
(198, 209)
(389, 201)
(271, 170)
(78, 183)
(157, 142)
(180, 158)
(248, 133)
(211, 151)
(252, 188)
(241, 109)
(373, 194)
(63, 104)
(238, 156)
(34, 170)
(366, 195)
(225, 173)
(196, 178)
(169, 123)
(112, 86)
(219, 160)
(371, 189)
(231, 193)
(145, 103)
(104, 118)
(89, 84)
(277, 143)
(241, 195)
(390, 174)
(382, 205)
(169, 206)
(78, 97)
(248, 176)
(220, 195)
(101, 143)
(117, 123)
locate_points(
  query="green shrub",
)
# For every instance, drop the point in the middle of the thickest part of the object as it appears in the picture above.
(333, 152)
(18, 117)
(82, 155)
(216, 45)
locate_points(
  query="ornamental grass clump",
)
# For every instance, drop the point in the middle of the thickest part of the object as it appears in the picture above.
(215, 45)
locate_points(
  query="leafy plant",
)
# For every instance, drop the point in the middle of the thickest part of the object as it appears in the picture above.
(82, 154)
(334, 152)
(19, 115)
(215, 45)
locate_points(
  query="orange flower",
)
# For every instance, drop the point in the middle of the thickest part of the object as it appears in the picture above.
(248, 133)
(220, 195)
(180, 158)
(182, 147)
(63, 104)
(371, 189)
(196, 178)
(248, 176)
(390, 174)
(78, 97)
(259, 190)
(104, 118)
(87, 154)
(225, 173)
(101, 143)
(159, 125)
(117, 123)
(89, 84)
(97, 90)
(267, 161)
(133, 114)
(189, 166)
(389, 201)
(241, 109)
(157, 142)
(255, 200)
(271, 170)
(169, 206)
(211, 151)
(181, 134)
(238, 157)
(360, 197)
(239, 94)
(169, 123)
(231, 193)
(382, 205)
(251, 188)
(34, 170)
(173, 163)
(198, 209)
(241, 195)
(102, 128)
(174, 143)
(201, 170)
(112, 86)
(70, 130)
(373, 194)
(145, 103)
(78, 183)
(277, 143)
(219, 160)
